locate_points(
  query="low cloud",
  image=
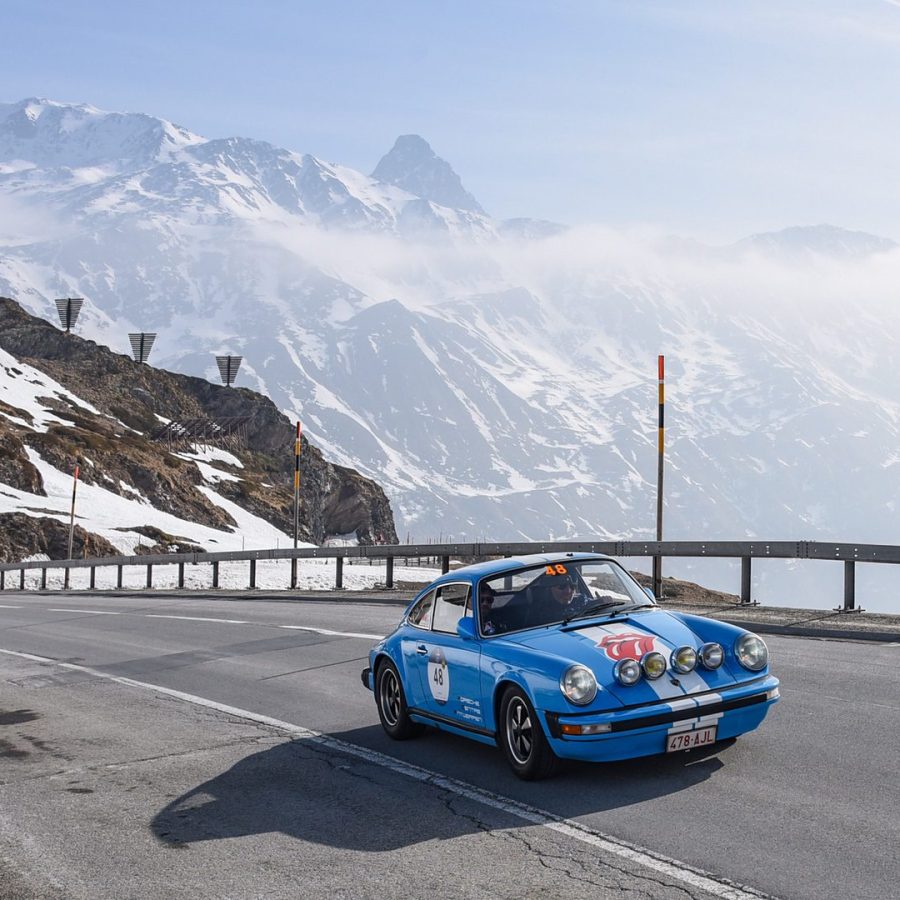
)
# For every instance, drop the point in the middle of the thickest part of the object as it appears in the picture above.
(22, 223)
(793, 283)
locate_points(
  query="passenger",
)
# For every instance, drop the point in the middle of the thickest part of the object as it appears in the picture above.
(491, 623)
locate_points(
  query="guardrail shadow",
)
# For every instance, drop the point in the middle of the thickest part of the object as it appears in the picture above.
(307, 790)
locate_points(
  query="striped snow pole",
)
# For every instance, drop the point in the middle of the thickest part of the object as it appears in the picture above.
(657, 560)
(296, 505)
(71, 524)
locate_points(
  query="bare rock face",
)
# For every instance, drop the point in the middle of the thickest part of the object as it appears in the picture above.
(22, 535)
(15, 468)
(162, 542)
(334, 499)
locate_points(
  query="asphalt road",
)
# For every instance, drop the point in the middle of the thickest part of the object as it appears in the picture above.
(133, 767)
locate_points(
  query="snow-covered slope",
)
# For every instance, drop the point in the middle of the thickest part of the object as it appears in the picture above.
(497, 378)
(28, 399)
(101, 510)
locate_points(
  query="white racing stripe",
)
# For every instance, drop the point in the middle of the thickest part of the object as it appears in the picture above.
(670, 868)
(87, 612)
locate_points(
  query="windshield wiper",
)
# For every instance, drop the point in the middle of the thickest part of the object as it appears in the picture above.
(595, 608)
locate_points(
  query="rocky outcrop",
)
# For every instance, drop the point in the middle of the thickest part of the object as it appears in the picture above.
(22, 536)
(162, 542)
(15, 468)
(334, 500)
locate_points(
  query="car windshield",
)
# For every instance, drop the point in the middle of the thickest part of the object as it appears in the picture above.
(555, 592)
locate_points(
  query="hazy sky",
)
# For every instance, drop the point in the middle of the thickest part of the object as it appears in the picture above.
(707, 117)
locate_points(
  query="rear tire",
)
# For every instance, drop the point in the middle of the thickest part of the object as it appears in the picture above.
(391, 702)
(524, 744)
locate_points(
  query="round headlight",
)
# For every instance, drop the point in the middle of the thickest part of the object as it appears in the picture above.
(654, 665)
(684, 659)
(711, 655)
(579, 685)
(751, 652)
(627, 671)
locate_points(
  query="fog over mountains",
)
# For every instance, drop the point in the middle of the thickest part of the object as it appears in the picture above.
(498, 378)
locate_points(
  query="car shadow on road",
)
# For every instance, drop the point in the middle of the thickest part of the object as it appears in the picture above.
(308, 790)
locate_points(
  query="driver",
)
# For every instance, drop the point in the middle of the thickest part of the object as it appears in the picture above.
(559, 601)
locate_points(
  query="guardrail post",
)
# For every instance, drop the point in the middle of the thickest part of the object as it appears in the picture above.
(181, 575)
(849, 584)
(293, 573)
(252, 574)
(93, 578)
(119, 577)
(745, 581)
(389, 573)
(22, 580)
(149, 575)
(445, 565)
(215, 565)
(44, 579)
(3, 580)
(339, 572)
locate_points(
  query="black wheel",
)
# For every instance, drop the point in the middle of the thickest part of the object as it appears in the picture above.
(391, 702)
(522, 738)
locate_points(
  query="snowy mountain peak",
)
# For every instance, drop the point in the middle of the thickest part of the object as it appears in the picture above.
(412, 165)
(822, 240)
(51, 134)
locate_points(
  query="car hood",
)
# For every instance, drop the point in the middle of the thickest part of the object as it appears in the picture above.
(600, 643)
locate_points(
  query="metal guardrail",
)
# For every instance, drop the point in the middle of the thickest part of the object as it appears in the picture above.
(849, 554)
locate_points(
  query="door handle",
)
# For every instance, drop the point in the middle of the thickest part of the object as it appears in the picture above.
(421, 649)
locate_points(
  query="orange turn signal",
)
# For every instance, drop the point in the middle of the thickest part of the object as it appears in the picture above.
(585, 729)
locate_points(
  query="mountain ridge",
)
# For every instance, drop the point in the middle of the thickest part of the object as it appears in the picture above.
(509, 392)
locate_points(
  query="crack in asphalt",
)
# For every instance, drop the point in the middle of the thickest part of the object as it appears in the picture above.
(592, 877)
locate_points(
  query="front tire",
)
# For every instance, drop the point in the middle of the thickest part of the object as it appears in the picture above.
(526, 748)
(391, 702)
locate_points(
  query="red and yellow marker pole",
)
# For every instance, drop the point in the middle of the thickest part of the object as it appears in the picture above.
(657, 560)
(296, 505)
(71, 523)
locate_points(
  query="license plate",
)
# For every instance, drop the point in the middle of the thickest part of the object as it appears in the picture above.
(688, 740)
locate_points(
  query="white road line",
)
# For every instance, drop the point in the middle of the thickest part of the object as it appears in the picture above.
(671, 868)
(352, 634)
(198, 619)
(89, 612)
(325, 631)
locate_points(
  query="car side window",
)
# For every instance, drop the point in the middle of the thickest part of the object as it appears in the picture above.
(420, 615)
(451, 605)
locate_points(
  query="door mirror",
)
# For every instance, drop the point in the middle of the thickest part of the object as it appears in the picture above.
(649, 593)
(465, 628)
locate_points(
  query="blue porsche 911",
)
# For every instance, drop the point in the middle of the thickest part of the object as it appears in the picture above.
(565, 655)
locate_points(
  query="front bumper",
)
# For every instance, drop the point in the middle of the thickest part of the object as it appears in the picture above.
(643, 730)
